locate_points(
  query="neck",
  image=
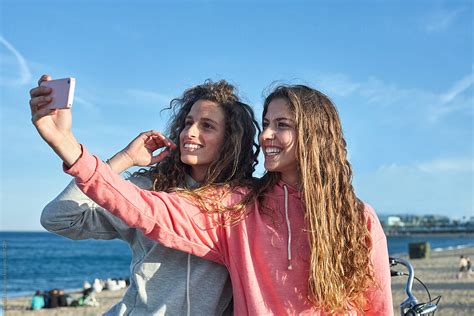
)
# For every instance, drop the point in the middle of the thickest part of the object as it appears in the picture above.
(291, 179)
(198, 174)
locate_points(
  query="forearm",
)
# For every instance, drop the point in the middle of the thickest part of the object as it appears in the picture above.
(163, 217)
(67, 148)
(120, 162)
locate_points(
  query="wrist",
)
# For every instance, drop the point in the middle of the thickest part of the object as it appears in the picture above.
(120, 162)
(67, 148)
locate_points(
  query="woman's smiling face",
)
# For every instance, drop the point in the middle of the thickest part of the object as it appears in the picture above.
(202, 137)
(278, 141)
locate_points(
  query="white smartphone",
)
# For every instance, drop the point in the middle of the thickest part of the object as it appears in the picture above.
(62, 92)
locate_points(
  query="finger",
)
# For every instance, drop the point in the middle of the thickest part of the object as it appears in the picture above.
(42, 113)
(40, 101)
(165, 140)
(153, 133)
(44, 78)
(159, 157)
(39, 91)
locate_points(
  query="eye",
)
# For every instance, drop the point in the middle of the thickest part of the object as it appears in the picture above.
(188, 123)
(207, 125)
(265, 124)
(283, 125)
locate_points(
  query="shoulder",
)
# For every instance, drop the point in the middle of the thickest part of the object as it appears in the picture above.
(373, 223)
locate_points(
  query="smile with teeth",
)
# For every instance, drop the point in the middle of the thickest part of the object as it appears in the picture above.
(272, 151)
(192, 147)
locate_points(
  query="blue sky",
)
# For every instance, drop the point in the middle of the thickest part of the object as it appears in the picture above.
(400, 73)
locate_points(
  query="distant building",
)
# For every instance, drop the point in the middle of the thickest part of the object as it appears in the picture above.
(395, 221)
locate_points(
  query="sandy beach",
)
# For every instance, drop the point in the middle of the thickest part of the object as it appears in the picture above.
(437, 272)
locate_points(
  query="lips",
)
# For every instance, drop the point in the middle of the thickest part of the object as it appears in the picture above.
(272, 151)
(192, 146)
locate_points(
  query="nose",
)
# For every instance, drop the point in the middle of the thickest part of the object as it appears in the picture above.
(193, 131)
(267, 133)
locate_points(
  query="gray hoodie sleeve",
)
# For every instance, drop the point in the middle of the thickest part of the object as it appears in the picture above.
(73, 215)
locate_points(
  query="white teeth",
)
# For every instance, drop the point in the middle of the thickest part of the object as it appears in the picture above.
(192, 146)
(272, 151)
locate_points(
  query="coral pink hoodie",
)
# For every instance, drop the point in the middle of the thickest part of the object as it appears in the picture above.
(258, 251)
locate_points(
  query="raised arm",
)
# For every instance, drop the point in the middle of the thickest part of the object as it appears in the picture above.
(170, 219)
(72, 214)
(55, 127)
(167, 218)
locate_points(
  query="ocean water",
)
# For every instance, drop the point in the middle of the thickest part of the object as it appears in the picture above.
(399, 244)
(41, 261)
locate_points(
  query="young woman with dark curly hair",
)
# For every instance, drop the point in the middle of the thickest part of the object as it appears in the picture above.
(215, 133)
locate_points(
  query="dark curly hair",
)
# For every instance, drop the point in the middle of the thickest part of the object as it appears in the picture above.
(238, 155)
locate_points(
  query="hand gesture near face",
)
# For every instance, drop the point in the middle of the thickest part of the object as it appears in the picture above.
(140, 152)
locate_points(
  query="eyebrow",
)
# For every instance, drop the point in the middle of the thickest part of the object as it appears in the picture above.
(278, 119)
(205, 119)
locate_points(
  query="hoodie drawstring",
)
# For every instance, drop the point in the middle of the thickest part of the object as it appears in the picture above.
(187, 286)
(289, 227)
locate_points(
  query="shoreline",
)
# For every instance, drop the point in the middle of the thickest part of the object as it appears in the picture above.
(437, 249)
(438, 272)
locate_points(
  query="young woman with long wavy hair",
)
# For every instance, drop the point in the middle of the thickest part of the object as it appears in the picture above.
(163, 280)
(298, 242)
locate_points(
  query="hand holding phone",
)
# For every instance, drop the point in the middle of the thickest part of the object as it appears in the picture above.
(62, 92)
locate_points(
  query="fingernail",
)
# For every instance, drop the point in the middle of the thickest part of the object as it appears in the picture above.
(48, 98)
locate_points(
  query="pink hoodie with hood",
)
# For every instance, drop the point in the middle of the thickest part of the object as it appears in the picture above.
(267, 255)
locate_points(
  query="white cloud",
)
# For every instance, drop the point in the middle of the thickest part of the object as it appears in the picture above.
(442, 186)
(447, 165)
(23, 73)
(337, 84)
(439, 165)
(86, 104)
(441, 20)
(434, 106)
(458, 87)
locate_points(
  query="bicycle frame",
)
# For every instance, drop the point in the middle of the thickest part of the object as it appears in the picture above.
(411, 306)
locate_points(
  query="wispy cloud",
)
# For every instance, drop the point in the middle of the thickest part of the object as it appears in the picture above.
(87, 105)
(435, 166)
(458, 87)
(148, 97)
(23, 73)
(434, 106)
(337, 84)
(441, 20)
(447, 165)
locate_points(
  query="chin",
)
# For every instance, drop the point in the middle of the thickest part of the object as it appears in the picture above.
(188, 161)
(270, 168)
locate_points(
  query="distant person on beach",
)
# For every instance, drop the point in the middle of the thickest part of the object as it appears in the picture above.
(464, 267)
(298, 241)
(53, 298)
(37, 301)
(87, 299)
(62, 298)
(469, 267)
(215, 133)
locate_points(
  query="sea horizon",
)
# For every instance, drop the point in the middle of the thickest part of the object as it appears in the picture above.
(40, 260)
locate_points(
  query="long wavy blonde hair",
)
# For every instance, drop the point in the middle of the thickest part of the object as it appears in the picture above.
(340, 267)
